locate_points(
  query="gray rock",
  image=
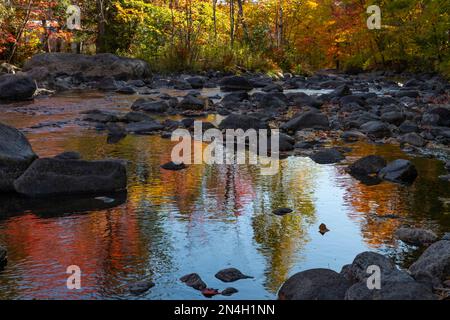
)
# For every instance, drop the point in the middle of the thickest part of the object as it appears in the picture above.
(393, 117)
(107, 84)
(100, 116)
(16, 155)
(244, 122)
(144, 127)
(271, 101)
(231, 275)
(327, 156)
(341, 91)
(377, 129)
(353, 136)
(415, 236)
(407, 93)
(150, 105)
(50, 176)
(367, 165)
(134, 116)
(126, 90)
(309, 119)
(413, 139)
(91, 67)
(190, 102)
(434, 264)
(357, 270)
(390, 289)
(314, 284)
(16, 87)
(408, 127)
(141, 287)
(196, 82)
(234, 98)
(193, 280)
(235, 83)
(399, 171)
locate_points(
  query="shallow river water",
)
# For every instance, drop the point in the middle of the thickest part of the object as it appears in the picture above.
(202, 219)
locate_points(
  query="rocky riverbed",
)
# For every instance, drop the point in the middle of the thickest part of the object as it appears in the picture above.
(386, 135)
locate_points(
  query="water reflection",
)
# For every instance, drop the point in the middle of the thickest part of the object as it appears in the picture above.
(201, 219)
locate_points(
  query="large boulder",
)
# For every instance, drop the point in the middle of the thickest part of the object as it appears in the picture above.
(50, 176)
(434, 264)
(399, 171)
(367, 165)
(235, 83)
(244, 122)
(16, 87)
(95, 67)
(16, 155)
(314, 284)
(415, 236)
(357, 270)
(308, 119)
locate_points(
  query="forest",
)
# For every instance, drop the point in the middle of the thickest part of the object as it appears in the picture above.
(298, 36)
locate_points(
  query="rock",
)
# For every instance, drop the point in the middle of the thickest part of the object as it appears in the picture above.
(377, 129)
(244, 122)
(413, 139)
(90, 67)
(415, 236)
(308, 119)
(231, 275)
(282, 211)
(181, 85)
(196, 82)
(357, 270)
(190, 102)
(408, 127)
(107, 84)
(229, 291)
(323, 229)
(141, 287)
(144, 127)
(302, 99)
(446, 236)
(391, 289)
(271, 101)
(399, 171)
(327, 156)
(134, 116)
(234, 98)
(443, 116)
(16, 155)
(393, 117)
(193, 280)
(126, 90)
(272, 87)
(115, 132)
(100, 116)
(3, 257)
(353, 136)
(69, 155)
(173, 166)
(235, 83)
(341, 91)
(285, 142)
(407, 93)
(367, 165)
(433, 265)
(307, 144)
(150, 105)
(50, 176)
(210, 292)
(314, 284)
(16, 87)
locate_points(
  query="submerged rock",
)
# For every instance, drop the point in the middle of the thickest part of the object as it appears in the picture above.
(433, 265)
(415, 236)
(141, 287)
(50, 176)
(16, 87)
(367, 165)
(150, 105)
(399, 171)
(231, 275)
(327, 156)
(16, 155)
(193, 280)
(69, 155)
(144, 127)
(314, 284)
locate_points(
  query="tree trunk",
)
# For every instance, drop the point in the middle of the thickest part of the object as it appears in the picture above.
(232, 22)
(100, 42)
